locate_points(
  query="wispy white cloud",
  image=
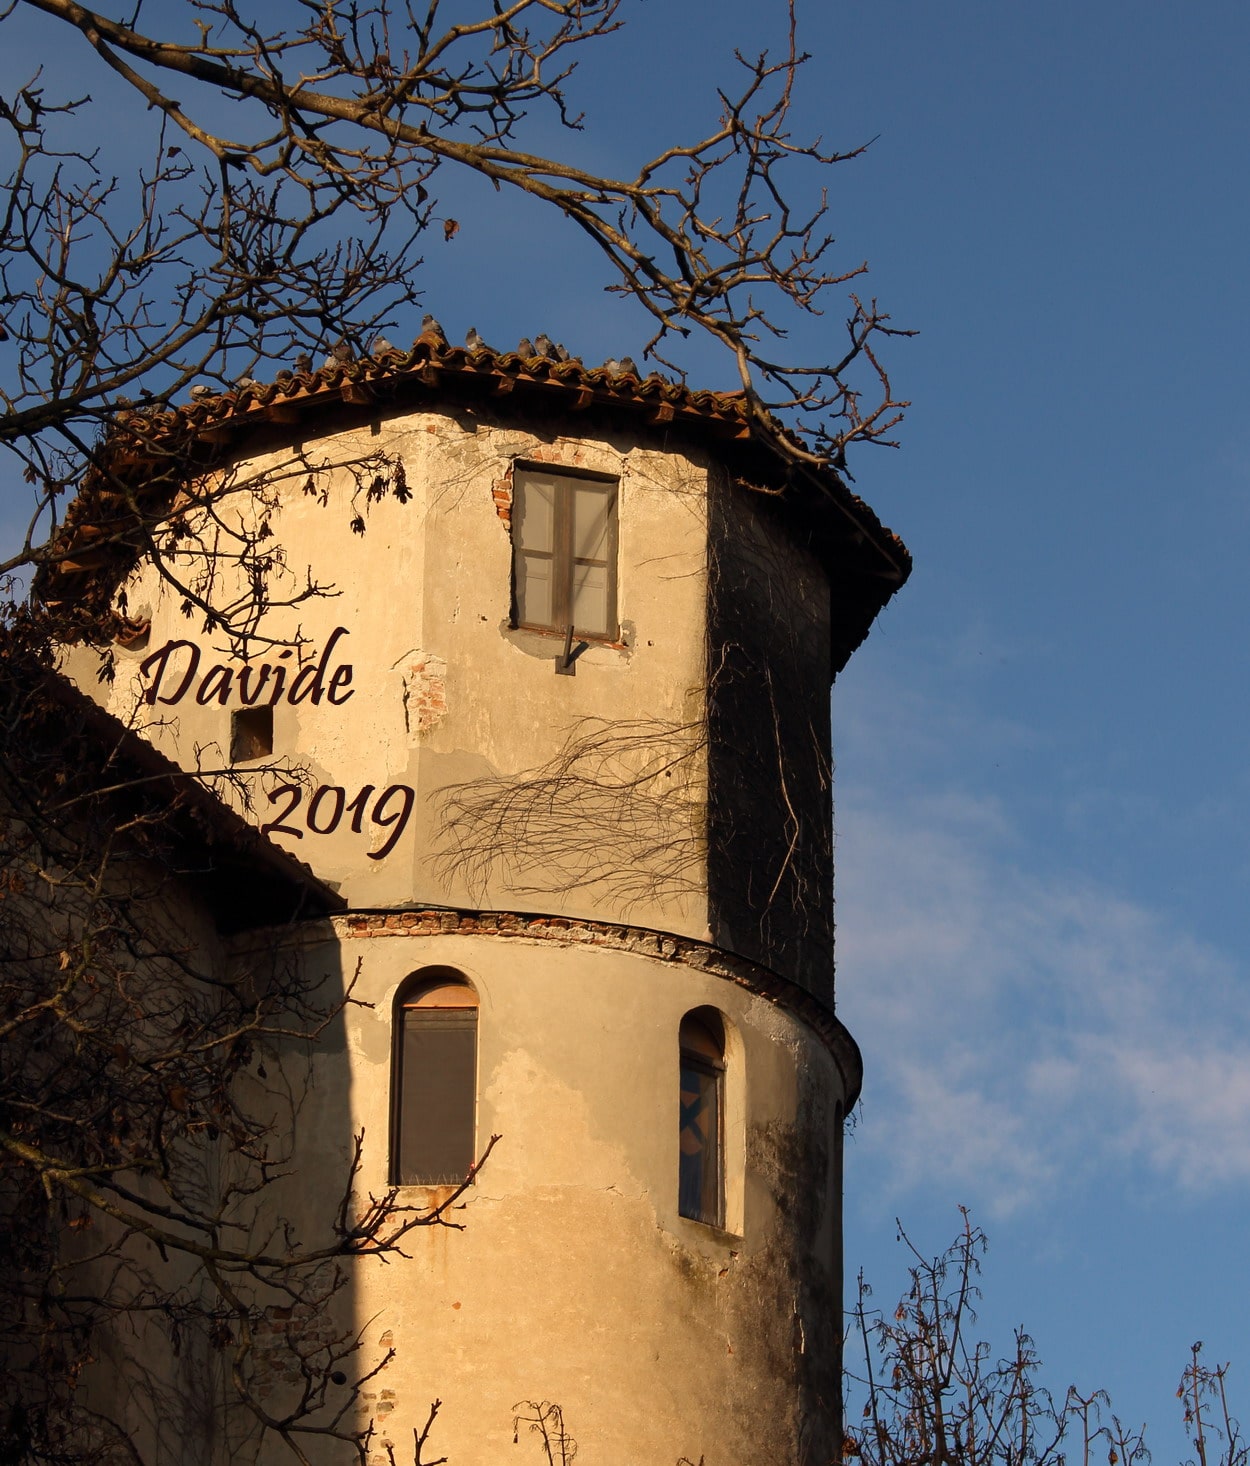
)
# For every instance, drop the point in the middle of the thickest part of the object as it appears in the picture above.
(1024, 1029)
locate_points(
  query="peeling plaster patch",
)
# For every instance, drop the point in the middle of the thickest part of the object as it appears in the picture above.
(280, 1339)
(564, 453)
(553, 1132)
(501, 492)
(425, 692)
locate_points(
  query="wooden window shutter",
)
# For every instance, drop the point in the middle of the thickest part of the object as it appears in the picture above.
(436, 1087)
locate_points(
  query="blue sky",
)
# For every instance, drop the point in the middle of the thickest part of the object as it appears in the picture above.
(1042, 781)
(1044, 937)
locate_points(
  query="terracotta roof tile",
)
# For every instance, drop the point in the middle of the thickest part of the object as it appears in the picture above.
(429, 359)
(145, 448)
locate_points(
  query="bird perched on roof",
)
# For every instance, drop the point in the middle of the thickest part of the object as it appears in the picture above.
(303, 362)
(525, 347)
(474, 342)
(612, 365)
(243, 383)
(627, 365)
(381, 344)
(202, 389)
(430, 327)
(562, 351)
(544, 345)
(341, 350)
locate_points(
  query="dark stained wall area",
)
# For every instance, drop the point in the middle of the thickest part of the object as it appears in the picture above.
(770, 817)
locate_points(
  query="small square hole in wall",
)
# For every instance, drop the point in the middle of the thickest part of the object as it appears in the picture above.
(251, 734)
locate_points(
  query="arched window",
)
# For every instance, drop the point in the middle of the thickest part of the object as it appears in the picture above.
(434, 1079)
(701, 1145)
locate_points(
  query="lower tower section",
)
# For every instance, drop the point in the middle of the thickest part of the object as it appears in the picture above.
(653, 1243)
(532, 676)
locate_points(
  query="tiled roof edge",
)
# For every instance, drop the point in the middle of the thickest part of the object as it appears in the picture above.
(431, 371)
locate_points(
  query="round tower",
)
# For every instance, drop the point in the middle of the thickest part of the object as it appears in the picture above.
(535, 674)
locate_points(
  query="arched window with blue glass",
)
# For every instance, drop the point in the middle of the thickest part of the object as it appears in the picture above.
(701, 1133)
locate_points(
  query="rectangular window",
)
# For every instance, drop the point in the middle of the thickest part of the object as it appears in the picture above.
(435, 1091)
(700, 1191)
(251, 734)
(564, 553)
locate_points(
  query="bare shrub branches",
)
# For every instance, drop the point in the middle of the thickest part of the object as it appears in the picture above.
(934, 1394)
(621, 803)
(545, 1419)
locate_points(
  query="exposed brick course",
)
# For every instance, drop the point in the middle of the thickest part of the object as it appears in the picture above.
(663, 946)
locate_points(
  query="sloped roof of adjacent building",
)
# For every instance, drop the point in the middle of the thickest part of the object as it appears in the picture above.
(147, 452)
(243, 878)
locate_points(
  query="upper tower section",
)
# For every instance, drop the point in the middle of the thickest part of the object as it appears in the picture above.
(491, 630)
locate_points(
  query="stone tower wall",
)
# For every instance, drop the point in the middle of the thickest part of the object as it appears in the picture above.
(574, 1279)
(599, 855)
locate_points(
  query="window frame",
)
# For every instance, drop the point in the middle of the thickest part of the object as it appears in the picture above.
(701, 1062)
(562, 559)
(426, 981)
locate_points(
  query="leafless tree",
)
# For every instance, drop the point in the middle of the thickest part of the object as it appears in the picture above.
(140, 1118)
(286, 225)
(545, 1419)
(149, 1086)
(1214, 1431)
(925, 1391)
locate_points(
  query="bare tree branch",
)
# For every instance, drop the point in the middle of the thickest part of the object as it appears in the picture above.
(297, 230)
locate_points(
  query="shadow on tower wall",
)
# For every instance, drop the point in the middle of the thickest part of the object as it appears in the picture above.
(770, 812)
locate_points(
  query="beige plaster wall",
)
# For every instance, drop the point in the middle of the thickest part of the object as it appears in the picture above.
(443, 692)
(574, 1280)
